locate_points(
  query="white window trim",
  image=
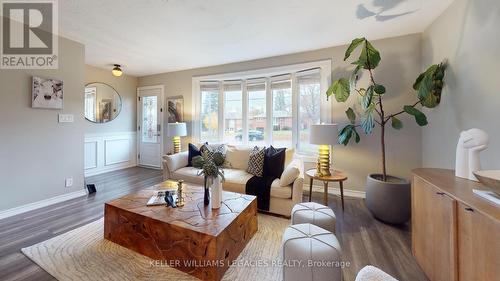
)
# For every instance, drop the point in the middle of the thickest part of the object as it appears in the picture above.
(325, 67)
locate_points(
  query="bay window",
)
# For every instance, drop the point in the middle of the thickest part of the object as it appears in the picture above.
(257, 117)
(233, 113)
(274, 106)
(209, 118)
(282, 112)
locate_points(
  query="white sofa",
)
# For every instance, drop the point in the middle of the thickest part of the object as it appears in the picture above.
(282, 200)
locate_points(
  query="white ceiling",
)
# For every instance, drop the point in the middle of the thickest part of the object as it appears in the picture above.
(155, 36)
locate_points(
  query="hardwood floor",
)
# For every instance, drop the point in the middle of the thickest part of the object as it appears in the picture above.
(364, 240)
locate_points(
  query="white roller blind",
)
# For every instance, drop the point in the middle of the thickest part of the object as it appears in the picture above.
(208, 86)
(281, 82)
(255, 85)
(311, 76)
(232, 86)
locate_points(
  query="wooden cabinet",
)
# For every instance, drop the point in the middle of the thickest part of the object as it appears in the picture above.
(478, 244)
(433, 224)
(455, 234)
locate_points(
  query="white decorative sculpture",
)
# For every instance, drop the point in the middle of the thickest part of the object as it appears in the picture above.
(470, 143)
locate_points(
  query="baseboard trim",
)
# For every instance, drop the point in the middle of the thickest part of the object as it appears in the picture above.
(42, 203)
(336, 191)
(107, 170)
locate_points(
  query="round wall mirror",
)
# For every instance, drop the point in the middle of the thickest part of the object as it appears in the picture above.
(102, 102)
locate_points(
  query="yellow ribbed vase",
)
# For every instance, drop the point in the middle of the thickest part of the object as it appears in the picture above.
(177, 144)
(324, 160)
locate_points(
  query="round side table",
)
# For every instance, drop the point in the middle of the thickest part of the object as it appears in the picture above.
(336, 176)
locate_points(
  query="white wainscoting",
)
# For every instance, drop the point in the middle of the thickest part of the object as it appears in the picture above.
(109, 152)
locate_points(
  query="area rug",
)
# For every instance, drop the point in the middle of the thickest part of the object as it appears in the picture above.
(83, 254)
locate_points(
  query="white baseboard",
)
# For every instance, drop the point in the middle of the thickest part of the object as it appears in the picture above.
(40, 204)
(111, 169)
(336, 191)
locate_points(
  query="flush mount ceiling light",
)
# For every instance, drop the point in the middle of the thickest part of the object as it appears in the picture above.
(117, 71)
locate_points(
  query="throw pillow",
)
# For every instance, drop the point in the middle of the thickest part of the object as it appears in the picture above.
(289, 154)
(274, 162)
(256, 161)
(193, 151)
(289, 175)
(211, 149)
(237, 157)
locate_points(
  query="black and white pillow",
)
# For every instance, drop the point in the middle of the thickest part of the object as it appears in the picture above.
(256, 161)
(211, 149)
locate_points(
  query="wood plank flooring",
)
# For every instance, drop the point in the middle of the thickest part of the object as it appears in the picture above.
(364, 240)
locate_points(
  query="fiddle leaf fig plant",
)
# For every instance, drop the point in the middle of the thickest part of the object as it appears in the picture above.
(428, 87)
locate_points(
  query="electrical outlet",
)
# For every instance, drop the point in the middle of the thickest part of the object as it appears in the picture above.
(69, 182)
(66, 118)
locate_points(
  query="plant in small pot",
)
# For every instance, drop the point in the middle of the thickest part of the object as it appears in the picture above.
(387, 197)
(211, 169)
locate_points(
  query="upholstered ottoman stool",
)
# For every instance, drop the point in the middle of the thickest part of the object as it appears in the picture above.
(314, 213)
(310, 253)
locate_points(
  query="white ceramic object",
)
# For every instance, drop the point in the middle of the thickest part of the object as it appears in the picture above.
(490, 178)
(216, 193)
(470, 143)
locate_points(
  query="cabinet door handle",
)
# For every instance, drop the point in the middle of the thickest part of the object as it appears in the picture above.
(440, 193)
(469, 209)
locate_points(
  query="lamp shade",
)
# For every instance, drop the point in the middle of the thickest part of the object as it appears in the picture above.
(177, 129)
(323, 134)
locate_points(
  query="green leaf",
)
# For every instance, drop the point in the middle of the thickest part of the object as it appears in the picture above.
(369, 57)
(345, 134)
(379, 89)
(353, 79)
(367, 98)
(429, 85)
(416, 85)
(351, 115)
(396, 123)
(367, 122)
(354, 44)
(425, 86)
(420, 117)
(340, 89)
(357, 135)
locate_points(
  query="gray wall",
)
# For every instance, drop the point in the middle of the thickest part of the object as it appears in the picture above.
(399, 67)
(126, 86)
(466, 34)
(37, 153)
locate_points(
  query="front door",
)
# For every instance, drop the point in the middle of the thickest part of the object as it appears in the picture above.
(149, 126)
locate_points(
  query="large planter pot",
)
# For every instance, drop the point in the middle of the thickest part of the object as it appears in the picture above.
(389, 201)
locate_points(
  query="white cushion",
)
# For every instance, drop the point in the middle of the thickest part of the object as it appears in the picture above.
(371, 273)
(279, 191)
(290, 173)
(237, 157)
(176, 161)
(289, 154)
(188, 174)
(311, 245)
(314, 213)
(236, 180)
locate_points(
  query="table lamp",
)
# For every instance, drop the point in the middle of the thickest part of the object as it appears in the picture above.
(176, 131)
(324, 135)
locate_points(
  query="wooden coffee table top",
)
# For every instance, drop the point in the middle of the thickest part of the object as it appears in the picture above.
(194, 215)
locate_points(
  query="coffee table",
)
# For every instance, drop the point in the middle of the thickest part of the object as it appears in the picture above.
(193, 238)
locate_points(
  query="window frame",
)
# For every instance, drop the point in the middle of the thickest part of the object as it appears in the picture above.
(267, 75)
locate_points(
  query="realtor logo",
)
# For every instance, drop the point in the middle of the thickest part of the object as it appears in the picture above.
(29, 34)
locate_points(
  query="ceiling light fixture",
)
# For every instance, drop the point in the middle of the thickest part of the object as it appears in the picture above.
(117, 71)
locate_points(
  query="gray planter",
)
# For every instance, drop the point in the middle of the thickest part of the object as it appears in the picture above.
(389, 201)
